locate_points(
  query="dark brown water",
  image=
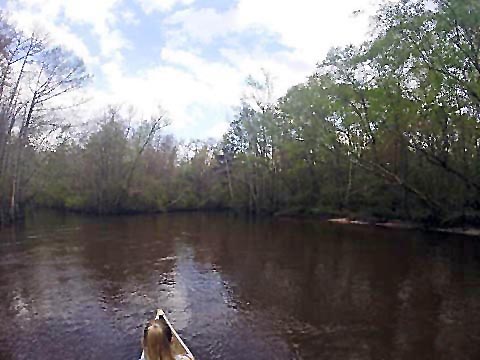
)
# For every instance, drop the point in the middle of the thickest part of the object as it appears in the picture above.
(75, 287)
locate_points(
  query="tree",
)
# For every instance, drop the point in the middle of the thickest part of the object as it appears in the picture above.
(33, 77)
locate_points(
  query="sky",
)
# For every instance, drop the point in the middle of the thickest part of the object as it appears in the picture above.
(191, 57)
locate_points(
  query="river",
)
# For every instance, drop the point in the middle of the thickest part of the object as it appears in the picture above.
(80, 287)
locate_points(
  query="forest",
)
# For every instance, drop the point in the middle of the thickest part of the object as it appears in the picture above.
(386, 130)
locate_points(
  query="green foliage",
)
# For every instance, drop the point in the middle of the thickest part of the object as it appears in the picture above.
(389, 129)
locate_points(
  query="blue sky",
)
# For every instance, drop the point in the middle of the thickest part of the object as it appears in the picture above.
(191, 57)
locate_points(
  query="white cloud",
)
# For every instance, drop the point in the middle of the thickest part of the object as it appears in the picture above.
(308, 27)
(129, 17)
(46, 10)
(204, 24)
(100, 14)
(217, 130)
(216, 76)
(187, 87)
(284, 68)
(58, 34)
(150, 6)
(56, 17)
(185, 80)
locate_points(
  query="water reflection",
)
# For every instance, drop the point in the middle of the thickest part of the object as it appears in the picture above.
(236, 289)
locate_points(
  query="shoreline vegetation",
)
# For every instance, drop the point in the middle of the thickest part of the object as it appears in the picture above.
(402, 225)
(330, 217)
(387, 223)
(386, 130)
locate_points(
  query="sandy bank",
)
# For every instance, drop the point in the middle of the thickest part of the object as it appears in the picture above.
(394, 224)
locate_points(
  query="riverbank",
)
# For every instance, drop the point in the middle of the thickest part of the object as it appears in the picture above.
(337, 217)
(346, 218)
(404, 225)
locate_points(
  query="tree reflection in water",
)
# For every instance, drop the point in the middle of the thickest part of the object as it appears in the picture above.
(237, 288)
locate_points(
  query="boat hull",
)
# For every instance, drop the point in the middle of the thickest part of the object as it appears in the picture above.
(178, 346)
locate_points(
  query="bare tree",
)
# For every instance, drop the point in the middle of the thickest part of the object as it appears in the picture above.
(33, 78)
